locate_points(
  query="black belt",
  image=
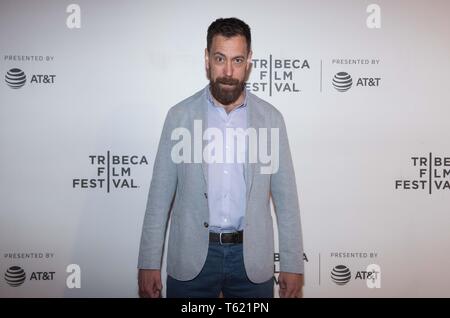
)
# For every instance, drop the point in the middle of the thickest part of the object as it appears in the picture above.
(227, 238)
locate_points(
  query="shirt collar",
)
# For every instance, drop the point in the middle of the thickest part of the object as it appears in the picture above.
(211, 100)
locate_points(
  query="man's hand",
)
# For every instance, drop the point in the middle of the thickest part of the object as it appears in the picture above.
(150, 283)
(291, 285)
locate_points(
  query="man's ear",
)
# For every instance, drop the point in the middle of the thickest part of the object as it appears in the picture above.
(249, 58)
(249, 65)
(206, 59)
(207, 64)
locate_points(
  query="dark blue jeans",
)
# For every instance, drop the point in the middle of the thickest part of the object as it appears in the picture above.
(223, 271)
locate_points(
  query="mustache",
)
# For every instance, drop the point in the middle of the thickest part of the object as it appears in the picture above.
(227, 81)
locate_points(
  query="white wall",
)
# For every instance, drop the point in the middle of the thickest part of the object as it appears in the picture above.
(116, 77)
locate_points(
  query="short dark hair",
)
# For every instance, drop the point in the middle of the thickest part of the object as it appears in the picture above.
(228, 27)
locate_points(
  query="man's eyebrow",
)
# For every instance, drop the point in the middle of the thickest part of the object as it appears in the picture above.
(235, 57)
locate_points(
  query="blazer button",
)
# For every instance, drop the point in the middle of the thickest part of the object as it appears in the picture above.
(205, 224)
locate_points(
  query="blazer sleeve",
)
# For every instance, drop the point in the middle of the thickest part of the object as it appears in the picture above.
(285, 200)
(160, 197)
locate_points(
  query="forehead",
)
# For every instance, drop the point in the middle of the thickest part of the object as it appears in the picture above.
(229, 45)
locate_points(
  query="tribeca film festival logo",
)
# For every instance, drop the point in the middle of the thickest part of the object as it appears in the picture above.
(274, 75)
(190, 149)
(341, 275)
(432, 173)
(276, 266)
(112, 171)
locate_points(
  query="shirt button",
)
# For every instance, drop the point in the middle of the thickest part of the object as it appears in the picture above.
(225, 171)
(205, 224)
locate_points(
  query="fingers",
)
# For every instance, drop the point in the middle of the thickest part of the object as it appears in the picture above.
(150, 284)
(282, 292)
(153, 289)
(287, 293)
(155, 293)
(142, 292)
(291, 285)
(288, 290)
(293, 293)
(159, 285)
(150, 291)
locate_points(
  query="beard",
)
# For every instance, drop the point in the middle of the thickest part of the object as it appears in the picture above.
(226, 90)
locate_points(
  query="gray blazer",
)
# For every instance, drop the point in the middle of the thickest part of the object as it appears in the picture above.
(181, 188)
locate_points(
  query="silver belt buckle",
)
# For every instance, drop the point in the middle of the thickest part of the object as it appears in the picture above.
(220, 238)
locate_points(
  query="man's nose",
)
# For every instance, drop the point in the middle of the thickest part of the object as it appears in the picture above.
(228, 69)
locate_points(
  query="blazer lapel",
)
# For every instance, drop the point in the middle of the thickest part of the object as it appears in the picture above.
(199, 112)
(253, 121)
(202, 114)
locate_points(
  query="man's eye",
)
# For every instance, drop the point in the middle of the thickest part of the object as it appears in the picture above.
(219, 59)
(239, 61)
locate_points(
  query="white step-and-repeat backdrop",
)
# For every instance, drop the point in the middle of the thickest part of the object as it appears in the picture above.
(84, 90)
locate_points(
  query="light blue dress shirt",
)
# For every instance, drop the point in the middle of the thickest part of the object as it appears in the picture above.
(226, 181)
